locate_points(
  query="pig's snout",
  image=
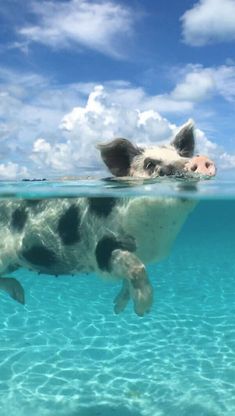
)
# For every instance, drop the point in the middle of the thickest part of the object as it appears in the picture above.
(201, 165)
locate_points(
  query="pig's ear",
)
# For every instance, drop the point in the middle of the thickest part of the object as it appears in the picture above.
(184, 140)
(118, 156)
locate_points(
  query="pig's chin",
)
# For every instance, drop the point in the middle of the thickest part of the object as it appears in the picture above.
(188, 175)
(181, 175)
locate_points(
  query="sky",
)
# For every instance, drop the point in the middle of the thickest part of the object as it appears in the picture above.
(74, 73)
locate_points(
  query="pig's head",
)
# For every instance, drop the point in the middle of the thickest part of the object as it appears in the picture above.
(174, 160)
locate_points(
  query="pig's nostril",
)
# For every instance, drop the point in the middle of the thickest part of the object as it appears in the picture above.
(194, 168)
(207, 164)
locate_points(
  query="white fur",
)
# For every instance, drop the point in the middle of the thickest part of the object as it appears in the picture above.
(153, 222)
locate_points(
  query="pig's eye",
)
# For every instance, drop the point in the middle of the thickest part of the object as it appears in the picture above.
(150, 164)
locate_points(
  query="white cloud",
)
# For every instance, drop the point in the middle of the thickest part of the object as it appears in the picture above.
(227, 161)
(57, 157)
(106, 115)
(30, 107)
(81, 23)
(197, 86)
(94, 105)
(199, 83)
(224, 160)
(224, 78)
(209, 21)
(167, 103)
(204, 145)
(41, 145)
(54, 130)
(12, 170)
(100, 120)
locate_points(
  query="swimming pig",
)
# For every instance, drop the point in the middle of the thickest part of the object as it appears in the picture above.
(176, 159)
(113, 237)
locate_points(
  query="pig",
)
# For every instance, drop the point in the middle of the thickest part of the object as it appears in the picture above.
(114, 237)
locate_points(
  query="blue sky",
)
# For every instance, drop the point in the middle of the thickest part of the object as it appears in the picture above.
(77, 72)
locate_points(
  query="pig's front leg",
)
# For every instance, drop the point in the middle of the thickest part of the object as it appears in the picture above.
(123, 297)
(13, 288)
(127, 266)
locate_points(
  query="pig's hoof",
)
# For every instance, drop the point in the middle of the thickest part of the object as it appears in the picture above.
(121, 300)
(141, 290)
(143, 300)
(15, 290)
(120, 305)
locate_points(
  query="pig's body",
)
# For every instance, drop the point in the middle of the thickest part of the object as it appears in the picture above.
(149, 224)
(61, 236)
(114, 238)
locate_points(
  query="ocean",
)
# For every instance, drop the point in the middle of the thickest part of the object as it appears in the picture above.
(67, 353)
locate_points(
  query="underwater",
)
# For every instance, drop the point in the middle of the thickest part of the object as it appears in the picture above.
(67, 353)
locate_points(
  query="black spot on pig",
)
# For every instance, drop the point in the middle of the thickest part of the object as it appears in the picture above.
(101, 206)
(167, 170)
(68, 225)
(107, 244)
(18, 219)
(118, 155)
(184, 141)
(40, 256)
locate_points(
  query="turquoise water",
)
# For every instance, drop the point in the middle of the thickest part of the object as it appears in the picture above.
(66, 353)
